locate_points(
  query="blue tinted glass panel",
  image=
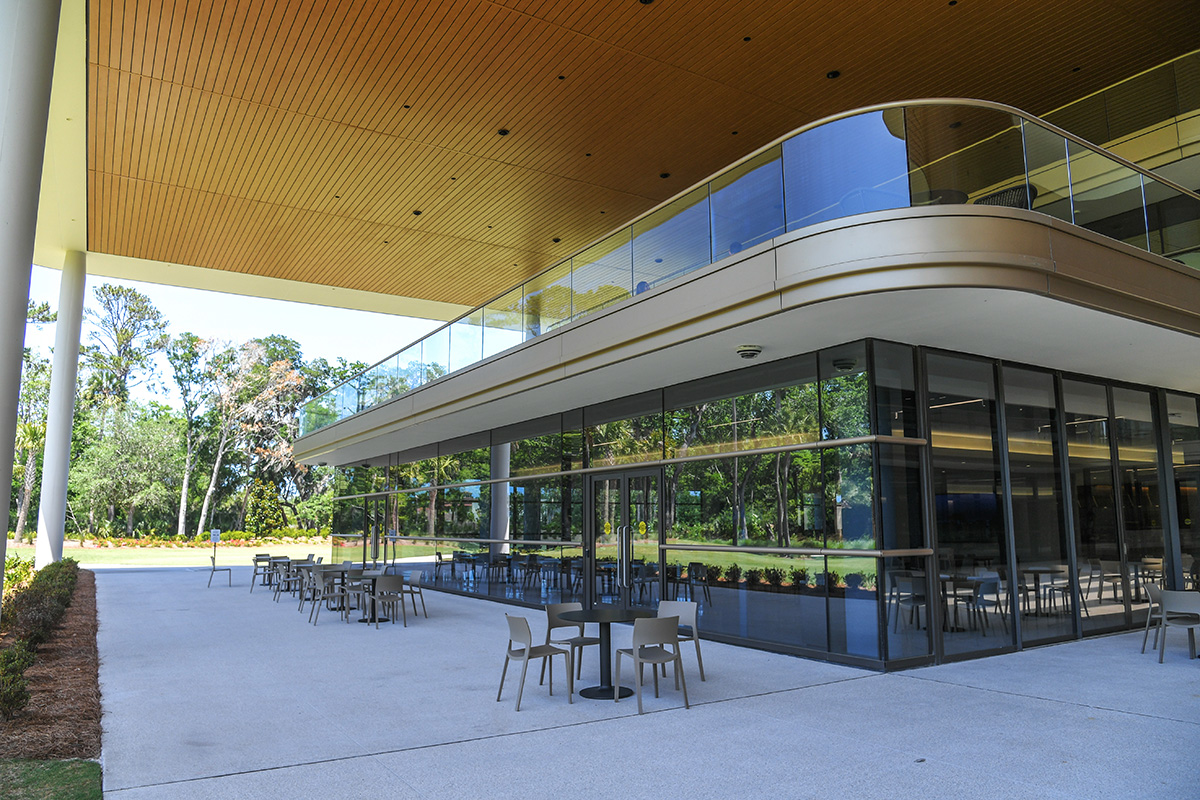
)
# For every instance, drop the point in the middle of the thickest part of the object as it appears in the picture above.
(747, 204)
(850, 166)
(672, 241)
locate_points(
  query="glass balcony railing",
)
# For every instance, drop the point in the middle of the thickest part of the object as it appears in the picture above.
(914, 154)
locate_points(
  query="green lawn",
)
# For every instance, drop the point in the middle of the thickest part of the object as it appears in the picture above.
(50, 780)
(174, 556)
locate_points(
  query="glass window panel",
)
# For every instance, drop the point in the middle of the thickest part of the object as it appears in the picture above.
(435, 354)
(1107, 197)
(747, 204)
(672, 241)
(853, 605)
(536, 455)
(548, 300)
(968, 497)
(1174, 223)
(959, 152)
(849, 492)
(503, 323)
(698, 502)
(410, 371)
(895, 390)
(603, 274)
(901, 498)
(626, 441)
(845, 407)
(1185, 457)
(1094, 503)
(1046, 154)
(850, 166)
(466, 340)
(1046, 593)
(752, 596)
(907, 606)
(1137, 457)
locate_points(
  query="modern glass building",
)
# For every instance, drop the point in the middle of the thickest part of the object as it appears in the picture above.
(895, 389)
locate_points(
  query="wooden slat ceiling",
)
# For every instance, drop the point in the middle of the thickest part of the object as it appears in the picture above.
(296, 138)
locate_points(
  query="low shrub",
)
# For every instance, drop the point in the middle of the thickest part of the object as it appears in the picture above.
(774, 576)
(33, 612)
(733, 573)
(799, 576)
(753, 577)
(17, 575)
(14, 694)
(17, 658)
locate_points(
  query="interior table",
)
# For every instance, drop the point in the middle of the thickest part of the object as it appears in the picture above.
(605, 616)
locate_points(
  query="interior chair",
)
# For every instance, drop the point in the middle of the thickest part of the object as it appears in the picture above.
(438, 563)
(1020, 196)
(1064, 590)
(655, 641)
(1179, 610)
(524, 651)
(697, 575)
(216, 569)
(262, 569)
(389, 597)
(1114, 576)
(574, 643)
(412, 588)
(908, 593)
(984, 595)
(688, 630)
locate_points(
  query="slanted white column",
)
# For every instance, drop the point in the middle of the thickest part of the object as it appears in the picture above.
(52, 510)
(501, 453)
(28, 37)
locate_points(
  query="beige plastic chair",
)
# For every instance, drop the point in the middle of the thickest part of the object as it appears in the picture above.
(686, 611)
(262, 569)
(412, 588)
(329, 588)
(389, 597)
(1153, 614)
(216, 569)
(652, 639)
(1180, 610)
(577, 642)
(520, 635)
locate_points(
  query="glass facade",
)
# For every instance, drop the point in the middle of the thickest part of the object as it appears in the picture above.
(873, 503)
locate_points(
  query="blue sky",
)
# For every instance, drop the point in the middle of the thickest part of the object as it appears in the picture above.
(321, 331)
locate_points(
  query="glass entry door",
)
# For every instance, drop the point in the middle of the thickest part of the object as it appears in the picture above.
(625, 520)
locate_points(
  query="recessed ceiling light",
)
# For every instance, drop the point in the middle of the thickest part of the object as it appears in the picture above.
(602, 212)
(408, 106)
(833, 73)
(562, 77)
(489, 227)
(453, 178)
(733, 133)
(337, 197)
(664, 174)
(1075, 69)
(416, 213)
(745, 38)
(955, 124)
(556, 240)
(503, 131)
(645, 2)
(385, 241)
(589, 155)
(953, 2)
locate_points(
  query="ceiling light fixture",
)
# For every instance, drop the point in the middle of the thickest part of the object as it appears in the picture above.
(664, 174)
(955, 125)
(503, 131)
(408, 106)
(416, 213)
(745, 38)
(562, 77)
(833, 73)
(556, 240)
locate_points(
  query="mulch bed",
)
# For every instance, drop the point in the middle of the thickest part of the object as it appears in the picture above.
(62, 719)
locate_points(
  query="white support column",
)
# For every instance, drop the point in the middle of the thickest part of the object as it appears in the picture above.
(28, 38)
(29, 31)
(52, 510)
(501, 454)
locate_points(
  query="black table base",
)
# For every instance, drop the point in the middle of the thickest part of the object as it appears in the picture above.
(603, 692)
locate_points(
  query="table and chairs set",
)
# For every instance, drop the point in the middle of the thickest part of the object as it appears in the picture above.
(656, 640)
(342, 588)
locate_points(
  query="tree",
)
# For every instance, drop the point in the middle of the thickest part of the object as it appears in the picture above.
(129, 331)
(263, 511)
(186, 354)
(230, 372)
(31, 420)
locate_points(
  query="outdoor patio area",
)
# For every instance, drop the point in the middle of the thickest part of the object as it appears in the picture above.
(217, 692)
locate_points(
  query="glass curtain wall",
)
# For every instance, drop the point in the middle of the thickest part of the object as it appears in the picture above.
(1185, 459)
(1141, 503)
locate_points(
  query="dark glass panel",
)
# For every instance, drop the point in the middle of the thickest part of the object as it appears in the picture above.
(1103, 582)
(895, 390)
(968, 497)
(1141, 507)
(1185, 458)
(1045, 591)
(853, 605)
(900, 498)
(845, 391)
(907, 605)
(849, 492)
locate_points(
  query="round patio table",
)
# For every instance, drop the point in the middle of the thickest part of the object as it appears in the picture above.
(605, 616)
